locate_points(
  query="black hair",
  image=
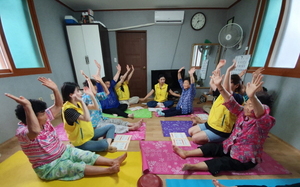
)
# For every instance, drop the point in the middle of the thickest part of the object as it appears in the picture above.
(67, 89)
(105, 79)
(265, 98)
(37, 106)
(160, 76)
(86, 84)
(236, 80)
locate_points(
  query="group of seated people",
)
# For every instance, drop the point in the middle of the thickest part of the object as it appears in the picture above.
(234, 132)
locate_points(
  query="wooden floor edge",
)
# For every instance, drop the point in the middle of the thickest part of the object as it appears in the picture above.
(285, 143)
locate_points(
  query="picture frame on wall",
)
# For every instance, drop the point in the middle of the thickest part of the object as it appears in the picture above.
(230, 20)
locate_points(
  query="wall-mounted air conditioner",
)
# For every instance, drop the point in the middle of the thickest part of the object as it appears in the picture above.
(168, 17)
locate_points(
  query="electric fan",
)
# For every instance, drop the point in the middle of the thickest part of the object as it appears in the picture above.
(231, 35)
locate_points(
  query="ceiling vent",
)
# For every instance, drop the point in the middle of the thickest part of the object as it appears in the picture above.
(168, 17)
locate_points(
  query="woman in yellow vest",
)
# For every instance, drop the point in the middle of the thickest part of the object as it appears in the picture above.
(161, 91)
(122, 88)
(76, 118)
(220, 121)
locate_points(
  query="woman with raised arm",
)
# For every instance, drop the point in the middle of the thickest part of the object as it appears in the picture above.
(97, 119)
(122, 88)
(111, 105)
(243, 149)
(51, 159)
(77, 121)
(185, 103)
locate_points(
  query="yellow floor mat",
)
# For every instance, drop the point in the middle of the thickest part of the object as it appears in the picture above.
(16, 171)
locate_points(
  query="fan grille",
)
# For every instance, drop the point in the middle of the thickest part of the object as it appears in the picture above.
(230, 35)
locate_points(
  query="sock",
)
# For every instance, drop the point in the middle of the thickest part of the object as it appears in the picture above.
(160, 113)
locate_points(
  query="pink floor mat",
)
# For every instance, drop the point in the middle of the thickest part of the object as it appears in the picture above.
(158, 158)
(136, 135)
(140, 134)
(197, 110)
(62, 135)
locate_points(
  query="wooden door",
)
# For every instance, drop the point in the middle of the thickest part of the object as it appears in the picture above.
(131, 46)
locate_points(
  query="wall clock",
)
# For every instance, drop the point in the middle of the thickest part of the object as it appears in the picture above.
(198, 21)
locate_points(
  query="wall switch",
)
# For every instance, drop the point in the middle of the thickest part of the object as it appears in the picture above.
(115, 60)
(52, 96)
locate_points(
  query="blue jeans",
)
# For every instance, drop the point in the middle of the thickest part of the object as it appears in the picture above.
(99, 145)
(167, 104)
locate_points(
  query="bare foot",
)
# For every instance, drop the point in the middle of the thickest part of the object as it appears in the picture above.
(217, 183)
(179, 151)
(131, 116)
(114, 169)
(187, 167)
(111, 149)
(120, 159)
(137, 125)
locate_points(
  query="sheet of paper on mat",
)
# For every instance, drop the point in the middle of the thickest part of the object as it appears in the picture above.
(179, 139)
(202, 116)
(121, 142)
(155, 109)
(135, 108)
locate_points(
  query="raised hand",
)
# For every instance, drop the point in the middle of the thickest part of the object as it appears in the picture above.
(257, 72)
(216, 77)
(180, 69)
(192, 70)
(48, 83)
(128, 68)
(221, 63)
(132, 67)
(21, 100)
(242, 73)
(255, 85)
(233, 66)
(97, 64)
(119, 67)
(85, 76)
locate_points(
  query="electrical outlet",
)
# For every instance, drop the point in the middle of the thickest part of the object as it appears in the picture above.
(40, 98)
(52, 96)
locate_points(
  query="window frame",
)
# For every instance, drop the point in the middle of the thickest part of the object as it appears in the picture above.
(285, 72)
(12, 70)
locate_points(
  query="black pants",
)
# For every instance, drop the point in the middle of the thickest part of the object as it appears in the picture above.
(119, 111)
(222, 162)
(172, 112)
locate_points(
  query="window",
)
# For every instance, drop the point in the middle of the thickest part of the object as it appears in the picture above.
(21, 53)
(275, 38)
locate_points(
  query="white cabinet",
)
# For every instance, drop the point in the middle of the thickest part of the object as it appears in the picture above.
(89, 42)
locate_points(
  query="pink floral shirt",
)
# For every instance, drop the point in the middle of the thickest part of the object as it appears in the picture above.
(248, 135)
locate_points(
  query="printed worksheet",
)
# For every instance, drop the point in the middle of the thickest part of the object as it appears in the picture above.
(121, 142)
(179, 139)
(242, 63)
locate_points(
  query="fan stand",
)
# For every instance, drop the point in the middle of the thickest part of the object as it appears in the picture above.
(223, 52)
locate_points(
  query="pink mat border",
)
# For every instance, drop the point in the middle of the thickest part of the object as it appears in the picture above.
(166, 147)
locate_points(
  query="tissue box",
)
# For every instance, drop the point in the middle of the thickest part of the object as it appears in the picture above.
(70, 20)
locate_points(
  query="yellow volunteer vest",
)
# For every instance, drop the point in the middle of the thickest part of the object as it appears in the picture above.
(161, 93)
(81, 131)
(220, 118)
(123, 96)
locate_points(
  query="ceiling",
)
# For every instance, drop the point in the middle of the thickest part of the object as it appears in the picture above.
(83, 5)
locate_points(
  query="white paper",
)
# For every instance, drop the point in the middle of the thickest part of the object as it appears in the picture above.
(203, 69)
(121, 142)
(202, 116)
(135, 108)
(179, 139)
(242, 63)
(155, 109)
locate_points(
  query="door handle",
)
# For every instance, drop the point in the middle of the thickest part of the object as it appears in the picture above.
(144, 67)
(87, 61)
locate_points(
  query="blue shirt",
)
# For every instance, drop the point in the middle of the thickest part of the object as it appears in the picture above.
(96, 115)
(185, 102)
(112, 98)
